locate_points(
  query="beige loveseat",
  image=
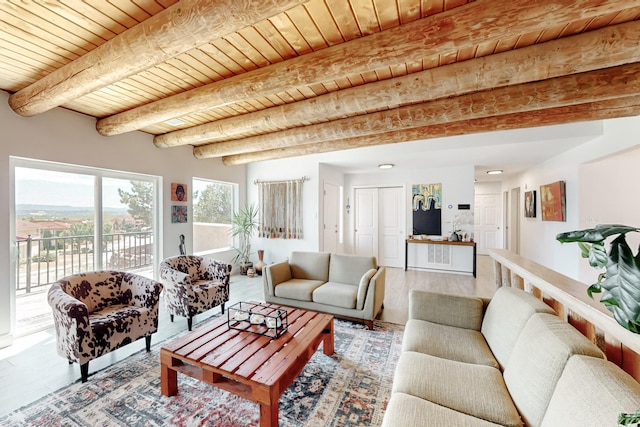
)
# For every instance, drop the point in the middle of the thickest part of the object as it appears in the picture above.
(510, 362)
(347, 286)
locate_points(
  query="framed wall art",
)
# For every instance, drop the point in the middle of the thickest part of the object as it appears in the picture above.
(553, 201)
(178, 192)
(426, 202)
(178, 214)
(530, 204)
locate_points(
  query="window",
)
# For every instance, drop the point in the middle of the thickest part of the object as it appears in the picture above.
(213, 205)
(70, 219)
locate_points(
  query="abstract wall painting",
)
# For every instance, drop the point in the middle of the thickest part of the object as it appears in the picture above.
(178, 214)
(427, 209)
(553, 201)
(178, 192)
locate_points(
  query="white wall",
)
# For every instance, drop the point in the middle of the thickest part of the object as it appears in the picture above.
(537, 237)
(457, 188)
(609, 195)
(66, 137)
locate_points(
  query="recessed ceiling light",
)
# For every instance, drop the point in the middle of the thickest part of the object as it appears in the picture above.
(495, 172)
(386, 165)
(175, 122)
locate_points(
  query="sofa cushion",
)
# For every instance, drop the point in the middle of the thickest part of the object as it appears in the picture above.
(446, 309)
(337, 294)
(591, 392)
(363, 287)
(506, 315)
(298, 289)
(537, 361)
(406, 410)
(350, 268)
(310, 265)
(476, 390)
(462, 345)
(118, 325)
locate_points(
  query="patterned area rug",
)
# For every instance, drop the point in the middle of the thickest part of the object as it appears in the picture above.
(350, 388)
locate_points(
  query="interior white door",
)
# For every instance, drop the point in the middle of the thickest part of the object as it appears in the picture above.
(487, 222)
(366, 221)
(391, 226)
(330, 218)
(514, 221)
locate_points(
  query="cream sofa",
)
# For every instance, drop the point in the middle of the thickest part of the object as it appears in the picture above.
(347, 286)
(507, 362)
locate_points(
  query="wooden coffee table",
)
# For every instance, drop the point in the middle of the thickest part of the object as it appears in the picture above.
(252, 366)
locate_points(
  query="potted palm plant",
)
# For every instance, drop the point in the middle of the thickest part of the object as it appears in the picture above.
(244, 223)
(620, 282)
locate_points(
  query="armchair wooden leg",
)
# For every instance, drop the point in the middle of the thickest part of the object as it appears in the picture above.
(222, 308)
(84, 371)
(147, 340)
(189, 322)
(171, 317)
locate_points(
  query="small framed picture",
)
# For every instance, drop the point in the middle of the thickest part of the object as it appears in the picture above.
(530, 204)
(178, 192)
(178, 214)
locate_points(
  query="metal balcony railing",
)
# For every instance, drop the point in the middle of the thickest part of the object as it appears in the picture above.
(42, 261)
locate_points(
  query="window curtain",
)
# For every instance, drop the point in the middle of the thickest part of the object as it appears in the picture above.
(280, 209)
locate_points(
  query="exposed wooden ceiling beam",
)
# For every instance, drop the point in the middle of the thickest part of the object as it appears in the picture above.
(179, 28)
(575, 89)
(446, 32)
(603, 48)
(620, 107)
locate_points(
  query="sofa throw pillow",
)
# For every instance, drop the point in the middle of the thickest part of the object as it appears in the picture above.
(363, 286)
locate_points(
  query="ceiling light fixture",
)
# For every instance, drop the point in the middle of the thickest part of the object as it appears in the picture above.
(495, 172)
(386, 165)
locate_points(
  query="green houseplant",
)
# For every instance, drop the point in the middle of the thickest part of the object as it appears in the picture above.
(620, 282)
(244, 223)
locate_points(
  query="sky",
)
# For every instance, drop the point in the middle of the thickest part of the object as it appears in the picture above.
(44, 187)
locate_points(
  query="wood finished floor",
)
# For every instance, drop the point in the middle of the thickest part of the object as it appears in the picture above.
(31, 368)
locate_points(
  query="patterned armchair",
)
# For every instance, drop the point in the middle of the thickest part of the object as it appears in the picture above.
(193, 285)
(100, 311)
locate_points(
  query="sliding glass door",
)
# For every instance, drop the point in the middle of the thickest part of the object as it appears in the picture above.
(70, 219)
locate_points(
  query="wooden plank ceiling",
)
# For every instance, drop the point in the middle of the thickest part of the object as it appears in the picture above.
(257, 80)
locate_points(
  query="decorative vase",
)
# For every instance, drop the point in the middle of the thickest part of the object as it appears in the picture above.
(244, 267)
(260, 264)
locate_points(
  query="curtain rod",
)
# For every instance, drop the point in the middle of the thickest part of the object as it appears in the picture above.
(303, 179)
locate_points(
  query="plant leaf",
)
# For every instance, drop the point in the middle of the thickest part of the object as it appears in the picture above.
(597, 234)
(622, 285)
(594, 289)
(597, 255)
(627, 419)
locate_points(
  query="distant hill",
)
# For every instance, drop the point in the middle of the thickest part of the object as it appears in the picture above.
(49, 211)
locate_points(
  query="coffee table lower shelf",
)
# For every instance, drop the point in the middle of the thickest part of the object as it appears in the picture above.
(255, 367)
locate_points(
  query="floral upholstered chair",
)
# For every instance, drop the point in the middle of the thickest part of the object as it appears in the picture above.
(100, 311)
(194, 284)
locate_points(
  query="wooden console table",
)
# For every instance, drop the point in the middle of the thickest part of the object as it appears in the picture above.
(437, 242)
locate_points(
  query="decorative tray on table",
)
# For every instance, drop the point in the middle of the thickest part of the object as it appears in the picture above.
(257, 318)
